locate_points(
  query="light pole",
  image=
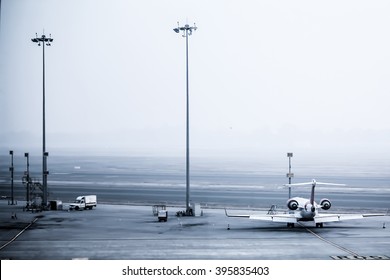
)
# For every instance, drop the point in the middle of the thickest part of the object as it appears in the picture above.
(289, 174)
(11, 169)
(187, 31)
(45, 41)
(27, 178)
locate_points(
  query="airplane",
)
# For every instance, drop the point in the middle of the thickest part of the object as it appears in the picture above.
(304, 210)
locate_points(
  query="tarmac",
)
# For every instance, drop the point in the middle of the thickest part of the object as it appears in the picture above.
(132, 232)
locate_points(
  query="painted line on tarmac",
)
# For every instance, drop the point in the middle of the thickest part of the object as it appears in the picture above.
(331, 243)
(20, 233)
(380, 257)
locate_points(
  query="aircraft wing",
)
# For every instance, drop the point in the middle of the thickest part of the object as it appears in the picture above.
(279, 218)
(324, 218)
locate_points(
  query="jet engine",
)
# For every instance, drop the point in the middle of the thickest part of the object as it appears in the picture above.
(325, 204)
(292, 204)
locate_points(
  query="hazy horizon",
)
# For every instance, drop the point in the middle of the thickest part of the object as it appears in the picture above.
(266, 78)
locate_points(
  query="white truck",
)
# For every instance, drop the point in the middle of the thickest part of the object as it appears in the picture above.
(162, 215)
(84, 202)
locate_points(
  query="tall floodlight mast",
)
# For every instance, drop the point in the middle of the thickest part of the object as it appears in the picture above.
(187, 31)
(289, 174)
(43, 40)
(11, 169)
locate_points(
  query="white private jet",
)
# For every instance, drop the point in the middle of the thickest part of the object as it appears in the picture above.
(304, 210)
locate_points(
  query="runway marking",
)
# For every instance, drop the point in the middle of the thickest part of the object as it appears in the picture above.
(360, 257)
(20, 233)
(354, 254)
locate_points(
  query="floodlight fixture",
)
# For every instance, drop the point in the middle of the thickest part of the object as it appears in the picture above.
(187, 29)
(43, 39)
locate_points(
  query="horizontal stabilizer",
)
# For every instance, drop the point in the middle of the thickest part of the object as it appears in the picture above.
(313, 183)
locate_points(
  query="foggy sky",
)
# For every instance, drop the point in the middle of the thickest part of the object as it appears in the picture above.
(266, 77)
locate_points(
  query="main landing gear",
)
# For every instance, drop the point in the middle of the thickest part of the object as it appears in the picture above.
(318, 225)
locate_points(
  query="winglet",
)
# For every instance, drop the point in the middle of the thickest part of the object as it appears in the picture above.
(236, 216)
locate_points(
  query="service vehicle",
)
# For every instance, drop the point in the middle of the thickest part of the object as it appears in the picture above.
(84, 202)
(162, 215)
